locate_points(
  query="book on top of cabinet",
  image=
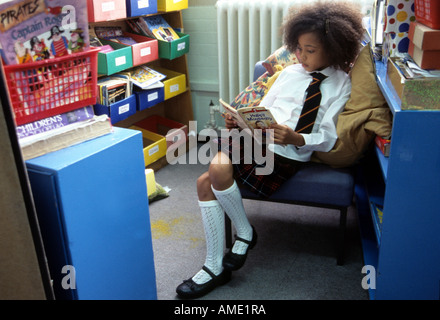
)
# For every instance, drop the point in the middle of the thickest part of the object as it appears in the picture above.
(34, 30)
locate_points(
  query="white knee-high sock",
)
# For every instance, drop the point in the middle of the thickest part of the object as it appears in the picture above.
(214, 225)
(232, 202)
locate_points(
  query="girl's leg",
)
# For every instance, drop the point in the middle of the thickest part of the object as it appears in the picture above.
(226, 191)
(213, 215)
(212, 274)
(213, 221)
(213, 224)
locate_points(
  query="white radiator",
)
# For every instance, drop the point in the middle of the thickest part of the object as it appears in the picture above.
(249, 31)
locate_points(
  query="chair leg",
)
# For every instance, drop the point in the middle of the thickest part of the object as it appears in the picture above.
(228, 232)
(341, 240)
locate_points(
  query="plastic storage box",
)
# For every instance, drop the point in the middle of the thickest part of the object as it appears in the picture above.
(171, 5)
(119, 110)
(154, 145)
(105, 10)
(140, 7)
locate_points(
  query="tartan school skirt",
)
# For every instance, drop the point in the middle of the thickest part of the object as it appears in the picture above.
(245, 167)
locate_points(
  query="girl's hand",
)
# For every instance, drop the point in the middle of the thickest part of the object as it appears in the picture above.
(230, 123)
(285, 135)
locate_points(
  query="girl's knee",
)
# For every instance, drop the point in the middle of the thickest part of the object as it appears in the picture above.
(204, 190)
(221, 175)
(203, 181)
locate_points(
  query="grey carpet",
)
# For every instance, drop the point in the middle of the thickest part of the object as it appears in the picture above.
(294, 258)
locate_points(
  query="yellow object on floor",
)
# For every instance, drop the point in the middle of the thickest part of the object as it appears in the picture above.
(151, 181)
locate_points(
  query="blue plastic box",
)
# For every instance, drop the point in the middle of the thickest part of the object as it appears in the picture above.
(140, 7)
(119, 110)
(149, 98)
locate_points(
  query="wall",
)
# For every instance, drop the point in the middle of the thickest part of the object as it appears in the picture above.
(200, 22)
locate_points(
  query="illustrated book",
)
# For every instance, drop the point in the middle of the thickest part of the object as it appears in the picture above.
(145, 77)
(154, 27)
(63, 137)
(33, 30)
(113, 89)
(54, 122)
(250, 117)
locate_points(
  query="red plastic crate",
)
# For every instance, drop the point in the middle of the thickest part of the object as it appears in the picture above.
(50, 87)
(428, 12)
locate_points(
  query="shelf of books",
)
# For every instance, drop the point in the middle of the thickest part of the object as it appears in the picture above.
(143, 70)
(111, 64)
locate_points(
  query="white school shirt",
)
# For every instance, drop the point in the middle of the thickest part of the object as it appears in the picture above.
(285, 100)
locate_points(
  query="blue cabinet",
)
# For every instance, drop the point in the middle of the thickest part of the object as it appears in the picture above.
(92, 207)
(405, 248)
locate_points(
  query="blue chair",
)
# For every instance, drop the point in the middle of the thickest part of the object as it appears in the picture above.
(316, 185)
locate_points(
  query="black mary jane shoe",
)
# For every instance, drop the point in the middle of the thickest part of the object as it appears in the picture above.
(233, 261)
(191, 290)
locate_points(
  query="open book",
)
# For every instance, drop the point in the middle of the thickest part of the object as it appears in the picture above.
(250, 117)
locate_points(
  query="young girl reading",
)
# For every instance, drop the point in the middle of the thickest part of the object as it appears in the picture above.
(326, 37)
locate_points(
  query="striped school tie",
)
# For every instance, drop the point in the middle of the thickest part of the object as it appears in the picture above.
(311, 105)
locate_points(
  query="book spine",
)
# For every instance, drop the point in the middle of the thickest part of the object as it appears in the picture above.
(383, 145)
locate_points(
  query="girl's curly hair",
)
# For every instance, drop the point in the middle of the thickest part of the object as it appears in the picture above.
(338, 25)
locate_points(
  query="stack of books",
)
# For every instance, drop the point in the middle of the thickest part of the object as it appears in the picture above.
(54, 133)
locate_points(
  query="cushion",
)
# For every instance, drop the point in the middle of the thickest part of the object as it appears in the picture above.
(281, 57)
(366, 115)
(253, 94)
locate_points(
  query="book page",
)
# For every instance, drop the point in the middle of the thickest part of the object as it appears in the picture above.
(235, 115)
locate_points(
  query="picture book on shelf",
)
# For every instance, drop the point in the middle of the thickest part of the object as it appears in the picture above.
(33, 30)
(154, 27)
(145, 77)
(113, 89)
(250, 117)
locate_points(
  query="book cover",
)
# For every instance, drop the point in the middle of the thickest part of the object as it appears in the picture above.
(113, 89)
(40, 144)
(157, 27)
(54, 122)
(33, 30)
(144, 76)
(383, 145)
(250, 117)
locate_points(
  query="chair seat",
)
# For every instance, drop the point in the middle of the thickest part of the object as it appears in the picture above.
(315, 183)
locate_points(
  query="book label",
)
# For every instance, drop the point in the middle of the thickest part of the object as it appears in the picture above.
(153, 150)
(143, 4)
(125, 108)
(153, 96)
(174, 88)
(119, 61)
(145, 51)
(181, 46)
(108, 6)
